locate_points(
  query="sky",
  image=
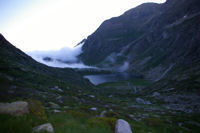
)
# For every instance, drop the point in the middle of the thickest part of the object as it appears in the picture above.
(53, 24)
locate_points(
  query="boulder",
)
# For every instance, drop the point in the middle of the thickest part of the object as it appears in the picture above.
(103, 113)
(56, 88)
(155, 94)
(44, 127)
(93, 109)
(56, 111)
(122, 126)
(92, 96)
(141, 101)
(54, 105)
(15, 108)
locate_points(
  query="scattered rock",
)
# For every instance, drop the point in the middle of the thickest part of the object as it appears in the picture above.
(57, 89)
(111, 110)
(56, 111)
(44, 127)
(92, 96)
(141, 101)
(93, 109)
(103, 113)
(14, 108)
(155, 94)
(110, 96)
(59, 99)
(53, 105)
(122, 126)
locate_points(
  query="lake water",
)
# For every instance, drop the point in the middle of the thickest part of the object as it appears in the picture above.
(103, 78)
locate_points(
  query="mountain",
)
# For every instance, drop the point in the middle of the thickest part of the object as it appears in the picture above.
(21, 76)
(159, 41)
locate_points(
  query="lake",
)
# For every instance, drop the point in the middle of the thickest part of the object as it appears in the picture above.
(103, 78)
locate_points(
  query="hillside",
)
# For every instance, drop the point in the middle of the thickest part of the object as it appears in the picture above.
(153, 38)
(157, 45)
(21, 76)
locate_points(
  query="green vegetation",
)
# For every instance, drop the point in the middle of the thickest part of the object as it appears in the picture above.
(80, 122)
(134, 82)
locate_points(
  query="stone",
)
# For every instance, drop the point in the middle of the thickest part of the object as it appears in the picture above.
(56, 111)
(93, 109)
(155, 94)
(57, 89)
(92, 96)
(15, 108)
(44, 127)
(141, 101)
(54, 105)
(103, 113)
(122, 126)
(110, 96)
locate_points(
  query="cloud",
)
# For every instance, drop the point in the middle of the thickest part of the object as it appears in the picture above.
(124, 67)
(65, 57)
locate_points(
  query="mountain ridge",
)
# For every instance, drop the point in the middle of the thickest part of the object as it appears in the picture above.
(166, 37)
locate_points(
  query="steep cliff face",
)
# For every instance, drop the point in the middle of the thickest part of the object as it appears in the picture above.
(155, 39)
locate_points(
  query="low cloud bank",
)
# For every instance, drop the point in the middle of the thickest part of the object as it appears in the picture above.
(65, 57)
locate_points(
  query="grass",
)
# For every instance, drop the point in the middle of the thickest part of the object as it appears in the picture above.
(79, 122)
(78, 118)
(10, 124)
(134, 82)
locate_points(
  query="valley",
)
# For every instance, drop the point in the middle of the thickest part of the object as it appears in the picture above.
(142, 67)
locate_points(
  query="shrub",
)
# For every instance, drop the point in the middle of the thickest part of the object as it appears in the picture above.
(37, 113)
(103, 122)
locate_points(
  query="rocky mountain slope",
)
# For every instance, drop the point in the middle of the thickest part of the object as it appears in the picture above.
(155, 39)
(21, 76)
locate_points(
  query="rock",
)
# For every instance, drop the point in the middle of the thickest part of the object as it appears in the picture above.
(54, 105)
(155, 94)
(14, 108)
(141, 101)
(110, 96)
(59, 99)
(56, 111)
(44, 127)
(93, 109)
(57, 89)
(122, 126)
(92, 96)
(103, 113)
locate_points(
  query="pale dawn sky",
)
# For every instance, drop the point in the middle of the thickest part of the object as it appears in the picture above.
(53, 24)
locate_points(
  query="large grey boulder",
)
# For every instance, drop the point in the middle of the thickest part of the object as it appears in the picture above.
(15, 108)
(44, 127)
(122, 126)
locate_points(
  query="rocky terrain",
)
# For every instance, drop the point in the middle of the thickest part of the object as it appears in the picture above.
(154, 39)
(158, 42)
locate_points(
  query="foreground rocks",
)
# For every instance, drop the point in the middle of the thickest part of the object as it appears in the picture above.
(122, 126)
(141, 101)
(44, 127)
(14, 108)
